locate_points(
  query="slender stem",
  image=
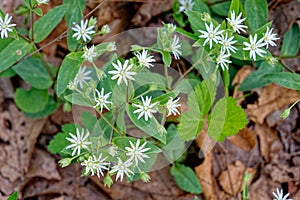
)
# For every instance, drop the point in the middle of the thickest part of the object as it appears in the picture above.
(31, 20)
(294, 104)
(110, 124)
(287, 67)
(166, 76)
(183, 76)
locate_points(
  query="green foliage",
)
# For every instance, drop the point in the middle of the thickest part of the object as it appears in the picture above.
(31, 101)
(46, 24)
(234, 6)
(123, 142)
(221, 8)
(13, 196)
(50, 108)
(195, 18)
(226, 119)
(257, 13)
(285, 79)
(186, 179)
(291, 42)
(33, 71)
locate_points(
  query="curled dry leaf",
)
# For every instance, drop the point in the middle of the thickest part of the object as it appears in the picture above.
(18, 136)
(245, 139)
(238, 79)
(273, 97)
(236, 173)
(204, 142)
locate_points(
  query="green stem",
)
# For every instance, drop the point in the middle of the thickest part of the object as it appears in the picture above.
(226, 80)
(166, 76)
(186, 34)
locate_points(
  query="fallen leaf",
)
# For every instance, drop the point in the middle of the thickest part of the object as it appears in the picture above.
(235, 173)
(245, 139)
(204, 142)
(273, 97)
(238, 79)
(18, 136)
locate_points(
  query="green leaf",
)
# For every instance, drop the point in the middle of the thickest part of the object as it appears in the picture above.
(259, 78)
(234, 6)
(186, 179)
(50, 108)
(285, 79)
(149, 127)
(257, 13)
(68, 70)
(149, 78)
(46, 24)
(13, 52)
(167, 59)
(74, 10)
(8, 73)
(31, 101)
(123, 142)
(291, 42)
(221, 9)
(200, 7)
(13, 196)
(33, 71)
(38, 11)
(78, 99)
(226, 119)
(205, 95)
(196, 21)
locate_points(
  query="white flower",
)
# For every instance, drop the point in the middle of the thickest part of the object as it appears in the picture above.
(83, 31)
(227, 43)
(89, 53)
(185, 5)
(270, 37)
(100, 164)
(211, 35)
(121, 168)
(175, 47)
(111, 46)
(145, 109)
(112, 150)
(39, 2)
(236, 22)
(82, 76)
(172, 106)
(89, 166)
(5, 26)
(105, 29)
(136, 151)
(171, 27)
(222, 60)
(279, 195)
(72, 85)
(101, 99)
(254, 47)
(78, 142)
(122, 72)
(144, 59)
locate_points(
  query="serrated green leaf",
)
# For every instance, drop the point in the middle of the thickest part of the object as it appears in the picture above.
(226, 119)
(13, 196)
(31, 101)
(221, 8)
(123, 142)
(186, 179)
(259, 78)
(285, 79)
(13, 52)
(291, 42)
(257, 13)
(50, 108)
(205, 93)
(58, 143)
(33, 71)
(46, 24)
(68, 70)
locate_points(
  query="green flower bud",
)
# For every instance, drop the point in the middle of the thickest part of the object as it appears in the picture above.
(145, 177)
(65, 162)
(108, 181)
(111, 46)
(285, 113)
(67, 107)
(105, 29)
(92, 21)
(206, 17)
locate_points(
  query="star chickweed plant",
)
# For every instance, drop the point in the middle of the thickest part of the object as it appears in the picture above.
(5, 26)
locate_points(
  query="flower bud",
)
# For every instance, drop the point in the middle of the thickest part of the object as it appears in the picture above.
(285, 113)
(65, 162)
(67, 107)
(92, 22)
(145, 177)
(108, 181)
(105, 29)
(111, 46)
(206, 17)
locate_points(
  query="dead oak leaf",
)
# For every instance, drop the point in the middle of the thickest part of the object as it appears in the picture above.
(245, 139)
(238, 79)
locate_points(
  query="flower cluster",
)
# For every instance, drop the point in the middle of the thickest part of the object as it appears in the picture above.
(225, 40)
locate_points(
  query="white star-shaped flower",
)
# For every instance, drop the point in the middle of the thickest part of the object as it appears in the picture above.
(279, 195)
(136, 151)
(176, 47)
(211, 35)
(254, 47)
(5, 26)
(101, 99)
(83, 31)
(89, 53)
(146, 109)
(227, 43)
(185, 5)
(121, 168)
(82, 76)
(222, 60)
(79, 141)
(100, 164)
(172, 106)
(270, 37)
(236, 22)
(39, 2)
(122, 72)
(89, 166)
(144, 59)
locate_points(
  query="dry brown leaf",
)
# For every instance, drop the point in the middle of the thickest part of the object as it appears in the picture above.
(245, 139)
(266, 137)
(204, 142)
(238, 79)
(18, 136)
(273, 97)
(262, 188)
(236, 173)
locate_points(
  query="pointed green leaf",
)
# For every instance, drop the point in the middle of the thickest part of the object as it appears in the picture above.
(13, 196)
(167, 59)
(257, 13)
(234, 6)
(195, 18)
(226, 119)
(123, 142)
(46, 24)
(186, 179)
(291, 42)
(285, 79)
(221, 8)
